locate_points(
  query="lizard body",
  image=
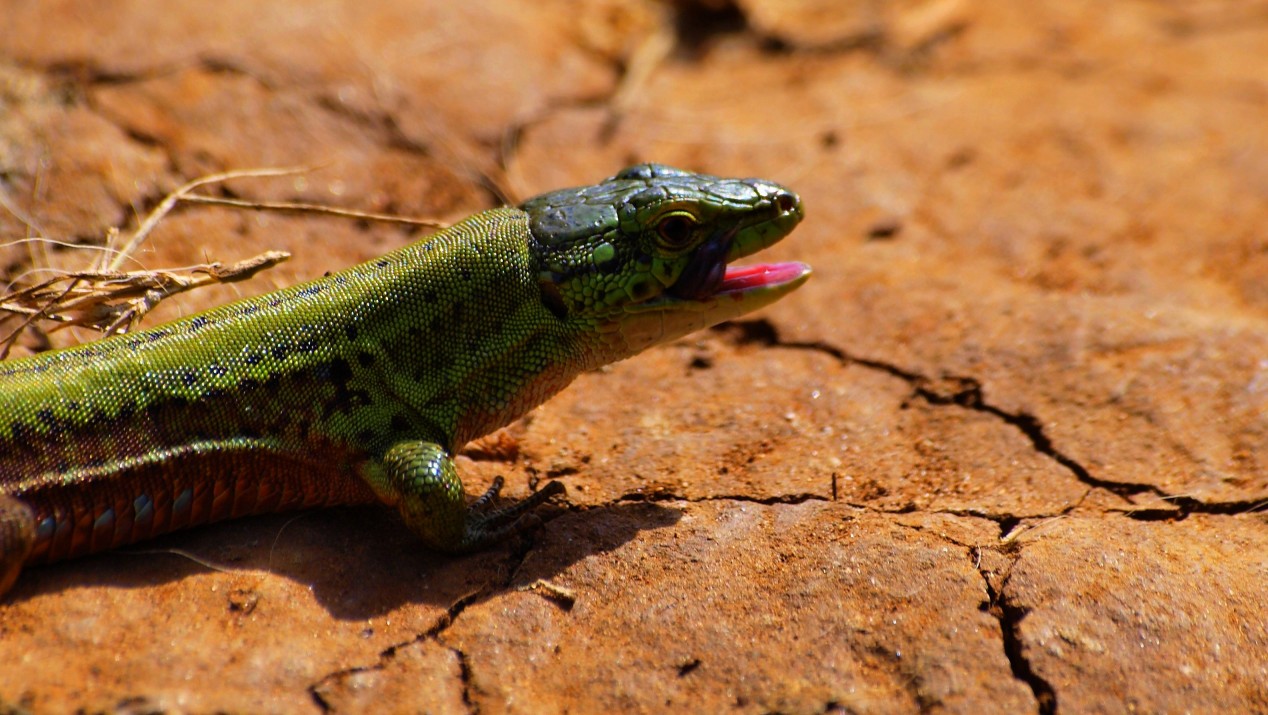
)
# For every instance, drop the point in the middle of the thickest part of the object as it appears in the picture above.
(360, 386)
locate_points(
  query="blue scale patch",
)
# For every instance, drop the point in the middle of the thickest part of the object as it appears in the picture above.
(104, 521)
(143, 507)
(183, 502)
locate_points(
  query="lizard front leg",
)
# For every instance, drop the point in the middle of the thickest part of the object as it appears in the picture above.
(419, 479)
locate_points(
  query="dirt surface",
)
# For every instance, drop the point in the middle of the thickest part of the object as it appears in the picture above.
(1006, 452)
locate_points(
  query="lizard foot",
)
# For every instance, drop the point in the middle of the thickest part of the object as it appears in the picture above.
(419, 478)
(515, 518)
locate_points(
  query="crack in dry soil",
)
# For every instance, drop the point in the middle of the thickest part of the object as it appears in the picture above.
(664, 495)
(387, 654)
(489, 590)
(1010, 616)
(464, 669)
(967, 392)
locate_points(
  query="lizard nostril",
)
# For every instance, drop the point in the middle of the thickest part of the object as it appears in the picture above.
(785, 202)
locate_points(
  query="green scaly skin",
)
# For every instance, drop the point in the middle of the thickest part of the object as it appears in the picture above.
(360, 386)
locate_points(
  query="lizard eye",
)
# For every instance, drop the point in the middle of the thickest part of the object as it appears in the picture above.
(676, 229)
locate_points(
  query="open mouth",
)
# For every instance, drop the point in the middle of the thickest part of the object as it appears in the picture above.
(708, 291)
(706, 272)
(708, 275)
(742, 279)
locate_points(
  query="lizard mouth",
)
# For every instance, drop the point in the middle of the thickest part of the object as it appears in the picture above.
(708, 291)
(707, 275)
(744, 279)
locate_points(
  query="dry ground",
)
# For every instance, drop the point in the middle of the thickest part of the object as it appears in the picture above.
(1006, 452)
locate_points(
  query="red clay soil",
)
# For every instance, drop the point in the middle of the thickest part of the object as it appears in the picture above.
(1006, 452)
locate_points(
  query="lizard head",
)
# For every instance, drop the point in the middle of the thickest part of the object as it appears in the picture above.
(643, 256)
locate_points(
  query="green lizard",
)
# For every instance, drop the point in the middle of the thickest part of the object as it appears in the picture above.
(360, 386)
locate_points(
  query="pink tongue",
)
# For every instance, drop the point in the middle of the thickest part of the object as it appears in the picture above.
(761, 275)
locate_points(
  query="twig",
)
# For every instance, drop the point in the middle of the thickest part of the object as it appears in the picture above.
(311, 208)
(114, 301)
(169, 202)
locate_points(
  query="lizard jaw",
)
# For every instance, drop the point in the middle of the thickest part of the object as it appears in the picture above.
(743, 290)
(739, 279)
(707, 273)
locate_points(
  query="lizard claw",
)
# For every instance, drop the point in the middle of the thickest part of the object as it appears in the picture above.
(479, 509)
(485, 527)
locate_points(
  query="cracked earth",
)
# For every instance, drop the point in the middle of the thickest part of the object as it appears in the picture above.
(1003, 453)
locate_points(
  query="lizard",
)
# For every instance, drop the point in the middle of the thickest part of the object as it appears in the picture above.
(360, 386)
